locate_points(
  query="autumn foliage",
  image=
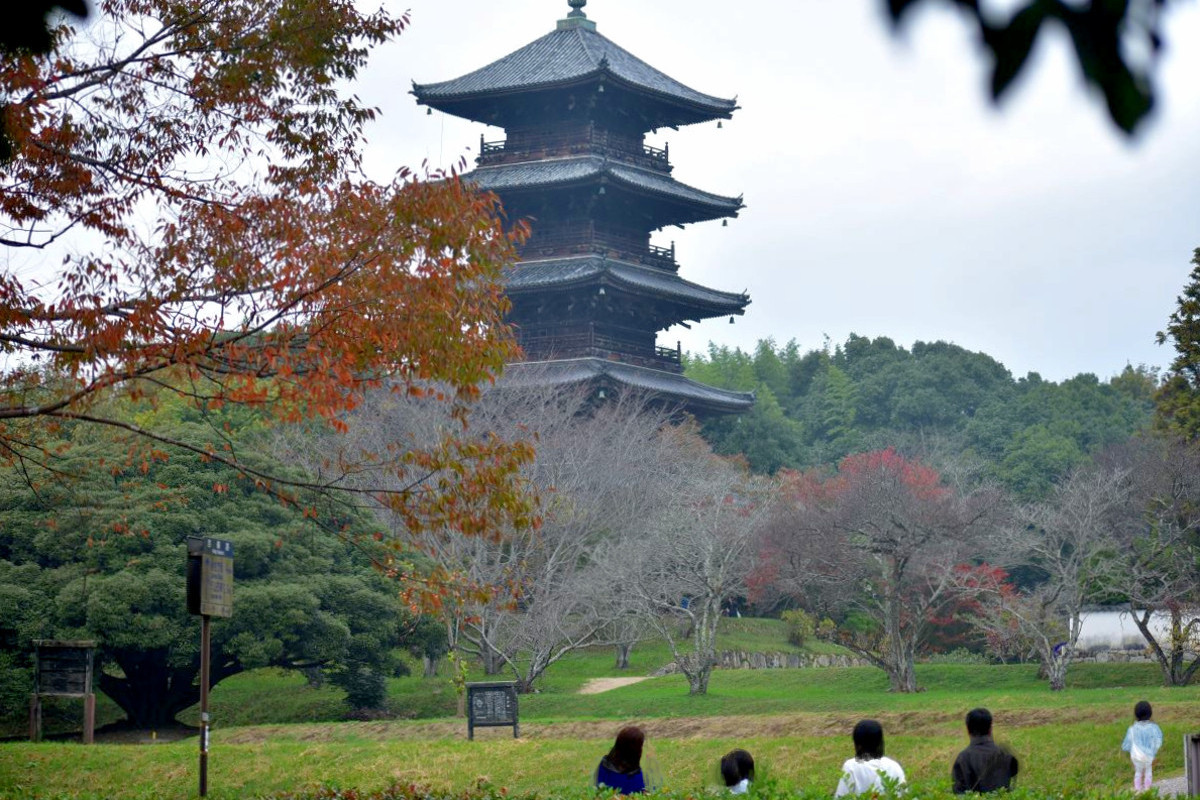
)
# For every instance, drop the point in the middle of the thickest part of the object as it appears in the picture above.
(184, 213)
(878, 543)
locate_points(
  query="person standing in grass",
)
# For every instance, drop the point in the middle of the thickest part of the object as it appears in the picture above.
(737, 770)
(1142, 741)
(621, 769)
(870, 770)
(983, 766)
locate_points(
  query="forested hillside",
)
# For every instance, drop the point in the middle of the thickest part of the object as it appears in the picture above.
(817, 406)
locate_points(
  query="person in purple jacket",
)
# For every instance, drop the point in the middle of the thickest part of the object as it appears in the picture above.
(621, 769)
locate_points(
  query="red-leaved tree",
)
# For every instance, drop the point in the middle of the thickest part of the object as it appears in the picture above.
(879, 541)
(183, 212)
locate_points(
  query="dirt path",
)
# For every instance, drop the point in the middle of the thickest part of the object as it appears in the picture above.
(598, 685)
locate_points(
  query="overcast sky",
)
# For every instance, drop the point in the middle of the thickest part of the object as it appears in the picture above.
(885, 194)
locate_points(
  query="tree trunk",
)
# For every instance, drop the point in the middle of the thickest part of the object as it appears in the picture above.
(493, 663)
(698, 680)
(623, 651)
(903, 675)
(900, 657)
(1057, 672)
(152, 693)
(431, 666)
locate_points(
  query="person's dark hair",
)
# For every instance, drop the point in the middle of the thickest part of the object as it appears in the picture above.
(736, 766)
(979, 722)
(626, 753)
(1142, 711)
(868, 739)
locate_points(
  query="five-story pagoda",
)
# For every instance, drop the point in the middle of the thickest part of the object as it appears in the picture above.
(591, 292)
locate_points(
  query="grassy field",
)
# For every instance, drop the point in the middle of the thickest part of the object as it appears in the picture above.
(796, 722)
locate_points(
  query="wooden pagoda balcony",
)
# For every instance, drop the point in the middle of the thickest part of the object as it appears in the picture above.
(578, 143)
(544, 346)
(585, 239)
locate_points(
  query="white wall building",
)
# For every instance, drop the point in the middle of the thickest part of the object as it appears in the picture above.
(1115, 630)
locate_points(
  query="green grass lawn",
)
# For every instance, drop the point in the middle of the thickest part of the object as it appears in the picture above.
(277, 696)
(1055, 756)
(273, 733)
(796, 722)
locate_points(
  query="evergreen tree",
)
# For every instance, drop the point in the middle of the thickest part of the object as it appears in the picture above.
(1178, 400)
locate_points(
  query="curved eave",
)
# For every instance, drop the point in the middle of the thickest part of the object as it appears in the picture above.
(671, 387)
(568, 57)
(553, 275)
(594, 171)
(488, 107)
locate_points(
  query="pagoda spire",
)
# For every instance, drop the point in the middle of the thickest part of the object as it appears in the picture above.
(576, 18)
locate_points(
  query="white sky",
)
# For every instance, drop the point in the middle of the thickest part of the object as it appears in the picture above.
(885, 194)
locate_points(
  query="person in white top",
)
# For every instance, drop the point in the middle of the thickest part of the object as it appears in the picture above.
(737, 770)
(870, 768)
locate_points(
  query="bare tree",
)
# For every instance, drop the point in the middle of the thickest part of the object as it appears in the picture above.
(881, 541)
(625, 631)
(1022, 623)
(1157, 564)
(522, 599)
(684, 564)
(1069, 538)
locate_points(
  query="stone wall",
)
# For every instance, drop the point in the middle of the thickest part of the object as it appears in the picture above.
(740, 659)
(1122, 656)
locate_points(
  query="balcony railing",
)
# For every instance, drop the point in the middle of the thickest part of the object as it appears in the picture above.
(579, 344)
(585, 239)
(588, 141)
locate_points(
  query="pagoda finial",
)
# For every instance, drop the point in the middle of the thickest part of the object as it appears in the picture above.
(576, 18)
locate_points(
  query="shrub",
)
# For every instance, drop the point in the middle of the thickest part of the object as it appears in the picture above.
(365, 688)
(801, 626)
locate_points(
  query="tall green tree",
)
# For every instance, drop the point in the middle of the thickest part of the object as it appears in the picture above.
(1178, 400)
(97, 550)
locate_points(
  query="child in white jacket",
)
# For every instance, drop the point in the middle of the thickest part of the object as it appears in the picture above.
(1142, 741)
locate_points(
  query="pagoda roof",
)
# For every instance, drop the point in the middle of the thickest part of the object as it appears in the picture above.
(563, 273)
(570, 56)
(565, 372)
(552, 172)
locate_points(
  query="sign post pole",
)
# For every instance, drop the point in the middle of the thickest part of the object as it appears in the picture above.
(205, 656)
(209, 594)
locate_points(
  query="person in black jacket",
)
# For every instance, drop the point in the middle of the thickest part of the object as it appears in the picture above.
(983, 766)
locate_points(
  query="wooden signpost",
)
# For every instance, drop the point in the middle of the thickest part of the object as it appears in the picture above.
(64, 669)
(209, 594)
(492, 705)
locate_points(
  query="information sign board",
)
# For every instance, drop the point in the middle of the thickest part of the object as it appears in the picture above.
(216, 586)
(492, 705)
(64, 669)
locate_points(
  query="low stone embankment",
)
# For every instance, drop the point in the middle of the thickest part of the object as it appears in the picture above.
(741, 659)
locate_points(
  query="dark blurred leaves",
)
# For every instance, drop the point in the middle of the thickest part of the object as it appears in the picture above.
(27, 24)
(27, 29)
(1099, 31)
